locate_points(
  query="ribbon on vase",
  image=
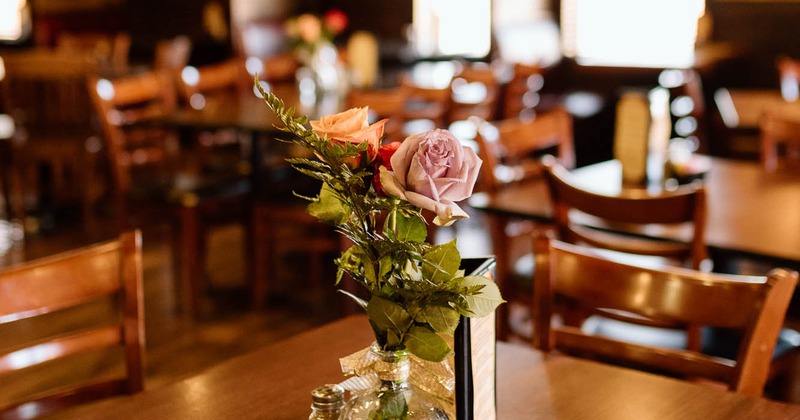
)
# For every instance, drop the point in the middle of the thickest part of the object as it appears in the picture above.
(434, 378)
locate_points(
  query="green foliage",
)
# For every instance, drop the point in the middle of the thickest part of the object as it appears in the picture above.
(417, 292)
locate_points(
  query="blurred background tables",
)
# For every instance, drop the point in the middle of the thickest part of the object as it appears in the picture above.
(751, 213)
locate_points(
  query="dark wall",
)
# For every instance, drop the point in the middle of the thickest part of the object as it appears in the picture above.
(763, 29)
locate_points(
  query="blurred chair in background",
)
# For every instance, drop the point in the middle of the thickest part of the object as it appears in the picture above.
(277, 70)
(109, 51)
(511, 150)
(54, 141)
(573, 278)
(780, 139)
(686, 105)
(523, 92)
(152, 183)
(475, 92)
(212, 85)
(101, 281)
(427, 106)
(172, 54)
(382, 103)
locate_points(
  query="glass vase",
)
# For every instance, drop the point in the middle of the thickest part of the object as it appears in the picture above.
(395, 398)
(321, 72)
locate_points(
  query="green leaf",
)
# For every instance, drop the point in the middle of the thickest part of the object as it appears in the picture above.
(410, 228)
(388, 316)
(328, 207)
(361, 302)
(484, 301)
(427, 345)
(441, 318)
(441, 263)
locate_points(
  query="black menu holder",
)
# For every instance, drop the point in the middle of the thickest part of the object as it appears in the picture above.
(475, 357)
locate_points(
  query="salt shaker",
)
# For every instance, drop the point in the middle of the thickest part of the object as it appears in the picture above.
(327, 402)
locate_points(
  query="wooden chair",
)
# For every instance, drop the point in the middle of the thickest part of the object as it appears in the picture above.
(633, 211)
(426, 107)
(282, 227)
(686, 104)
(573, 276)
(110, 51)
(55, 146)
(780, 139)
(382, 103)
(277, 71)
(213, 84)
(106, 277)
(149, 182)
(522, 95)
(172, 53)
(510, 150)
(475, 92)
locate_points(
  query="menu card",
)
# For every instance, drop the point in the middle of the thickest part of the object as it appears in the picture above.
(631, 133)
(475, 357)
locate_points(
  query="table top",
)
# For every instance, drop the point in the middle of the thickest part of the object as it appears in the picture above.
(741, 109)
(750, 211)
(275, 382)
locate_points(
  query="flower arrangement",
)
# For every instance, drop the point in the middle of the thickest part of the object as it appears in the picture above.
(375, 196)
(307, 30)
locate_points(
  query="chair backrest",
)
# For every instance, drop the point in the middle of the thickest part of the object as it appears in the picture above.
(631, 211)
(780, 139)
(569, 276)
(120, 103)
(277, 70)
(173, 53)
(382, 103)
(46, 91)
(686, 103)
(111, 51)
(107, 279)
(522, 96)
(221, 79)
(511, 148)
(475, 92)
(425, 103)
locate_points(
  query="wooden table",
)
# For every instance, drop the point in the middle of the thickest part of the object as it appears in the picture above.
(275, 382)
(740, 111)
(751, 212)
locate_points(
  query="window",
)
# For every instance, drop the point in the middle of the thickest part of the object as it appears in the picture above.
(452, 27)
(15, 22)
(635, 33)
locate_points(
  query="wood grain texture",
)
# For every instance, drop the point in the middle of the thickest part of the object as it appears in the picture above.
(275, 383)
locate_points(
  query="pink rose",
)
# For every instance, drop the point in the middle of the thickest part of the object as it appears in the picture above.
(352, 126)
(433, 171)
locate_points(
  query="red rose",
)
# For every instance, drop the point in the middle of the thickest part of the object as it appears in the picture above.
(385, 154)
(335, 21)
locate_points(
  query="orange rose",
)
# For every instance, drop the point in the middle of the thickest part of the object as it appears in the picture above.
(352, 126)
(309, 28)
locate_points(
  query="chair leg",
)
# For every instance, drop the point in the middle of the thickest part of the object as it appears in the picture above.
(261, 254)
(190, 260)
